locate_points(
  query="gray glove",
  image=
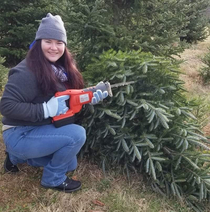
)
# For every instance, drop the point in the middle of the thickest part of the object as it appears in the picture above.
(98, 96)
(55, 106)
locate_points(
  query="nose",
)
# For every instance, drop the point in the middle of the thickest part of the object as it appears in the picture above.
(53, 46)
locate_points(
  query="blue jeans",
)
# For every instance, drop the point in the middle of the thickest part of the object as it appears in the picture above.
(55, 149)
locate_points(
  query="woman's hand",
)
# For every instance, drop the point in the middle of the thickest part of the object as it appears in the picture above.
(55, 106)
(98, 96)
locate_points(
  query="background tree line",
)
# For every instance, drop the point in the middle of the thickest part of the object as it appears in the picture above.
(147, 126)
(97, 25)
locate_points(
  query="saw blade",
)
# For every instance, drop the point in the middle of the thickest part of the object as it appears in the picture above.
(122, 84)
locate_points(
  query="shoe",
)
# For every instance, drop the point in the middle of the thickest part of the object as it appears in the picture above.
(9, 166)
(68, 186)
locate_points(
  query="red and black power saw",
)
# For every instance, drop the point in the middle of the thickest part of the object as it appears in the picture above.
(79, 97)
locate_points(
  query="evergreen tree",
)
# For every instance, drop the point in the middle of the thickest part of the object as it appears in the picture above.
(205, 70)
(3, 74)
(97, 25)
(19, 21)
(153, 26)
(148, 126)
(197, 20)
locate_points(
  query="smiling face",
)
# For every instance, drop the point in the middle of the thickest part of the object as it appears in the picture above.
(52, 49)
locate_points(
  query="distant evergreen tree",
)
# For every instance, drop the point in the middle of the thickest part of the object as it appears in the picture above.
(97, 25)
(153, 26)
(3, 74)
(197, 20)
(205, 70)
(18, 24)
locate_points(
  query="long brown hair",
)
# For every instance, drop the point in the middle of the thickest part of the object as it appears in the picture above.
(41, 67)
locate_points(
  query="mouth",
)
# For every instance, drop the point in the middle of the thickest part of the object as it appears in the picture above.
(52, 53)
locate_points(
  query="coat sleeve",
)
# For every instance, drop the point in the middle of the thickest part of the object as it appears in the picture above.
(17, 100)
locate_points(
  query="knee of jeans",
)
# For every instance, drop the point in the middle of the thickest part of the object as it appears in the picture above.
(80, 135)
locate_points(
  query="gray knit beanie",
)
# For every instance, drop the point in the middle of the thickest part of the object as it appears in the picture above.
(52, 27)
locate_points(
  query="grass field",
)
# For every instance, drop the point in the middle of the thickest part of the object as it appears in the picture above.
(111, 193)
(193, 83)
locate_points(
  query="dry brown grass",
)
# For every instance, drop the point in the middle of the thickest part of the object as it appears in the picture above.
(23, 189)
(111, 193)
(191, 65)
(104, 194)
(193, 83)
(90, 199)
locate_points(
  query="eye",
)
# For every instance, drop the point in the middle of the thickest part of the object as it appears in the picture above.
(47, 41)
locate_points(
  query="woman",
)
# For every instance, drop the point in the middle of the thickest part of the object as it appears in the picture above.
(28, 105)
